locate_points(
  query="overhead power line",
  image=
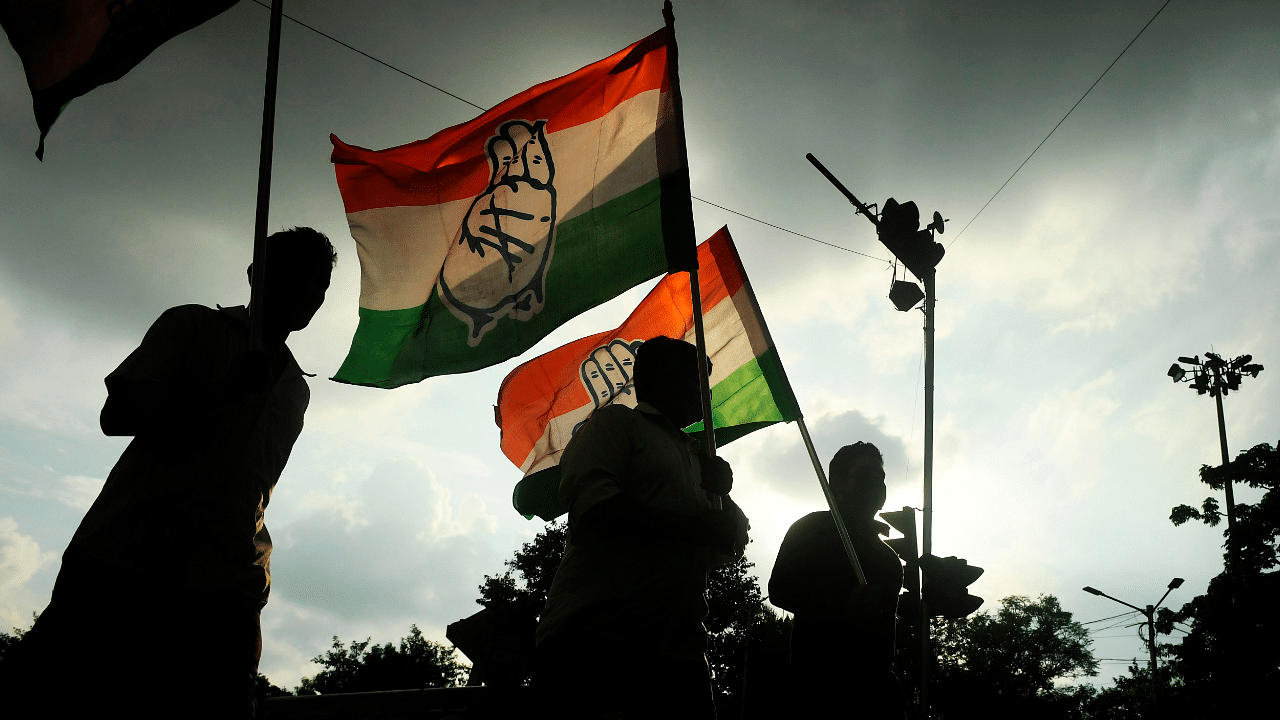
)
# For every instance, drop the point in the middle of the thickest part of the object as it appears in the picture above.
(793, 232)
(380, 62)
(1064, 119)
(459, 98)
(1113, 617)
(1118, 623)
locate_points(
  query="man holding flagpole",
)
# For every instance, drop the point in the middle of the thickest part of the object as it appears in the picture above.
(842, 642)
(171, 566)
(622, 629)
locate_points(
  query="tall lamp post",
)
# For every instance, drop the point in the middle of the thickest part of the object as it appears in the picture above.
(1217, 377)
(1150, 612)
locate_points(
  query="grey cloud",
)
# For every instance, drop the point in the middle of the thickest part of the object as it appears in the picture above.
(784, 464)
(404, 552)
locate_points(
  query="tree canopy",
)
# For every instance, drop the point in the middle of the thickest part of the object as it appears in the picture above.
(529, 572)
(1008, 662)
(1226, 655)
(363, 667)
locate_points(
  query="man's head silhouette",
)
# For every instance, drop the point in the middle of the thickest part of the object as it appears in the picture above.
(857, 479)
(666, 377)
(300, 264)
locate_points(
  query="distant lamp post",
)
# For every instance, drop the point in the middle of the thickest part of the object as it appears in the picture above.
(1217, 377)
(1150, 612)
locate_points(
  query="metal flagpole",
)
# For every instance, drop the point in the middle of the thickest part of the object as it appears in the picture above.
(257, 293)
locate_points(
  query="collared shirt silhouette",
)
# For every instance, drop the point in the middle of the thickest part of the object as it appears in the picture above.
(194, 500)
(171, 565)
(842, 640)
(622, 628)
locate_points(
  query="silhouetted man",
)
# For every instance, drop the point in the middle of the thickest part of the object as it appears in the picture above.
(156, 608)
(843, 634)
(622, 628)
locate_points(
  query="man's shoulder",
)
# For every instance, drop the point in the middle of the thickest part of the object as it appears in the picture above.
(615, 414)
(182, 320)
(817, 518)
(192, 314)
(813, 524)
(189, 310)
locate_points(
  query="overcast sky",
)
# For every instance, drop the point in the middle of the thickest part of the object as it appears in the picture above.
(1144, 229)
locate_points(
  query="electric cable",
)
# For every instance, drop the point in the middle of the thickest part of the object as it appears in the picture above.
(459, 98)
(1064, 119)
(1113, 617)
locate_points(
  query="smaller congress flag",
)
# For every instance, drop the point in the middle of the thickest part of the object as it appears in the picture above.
(543, 402)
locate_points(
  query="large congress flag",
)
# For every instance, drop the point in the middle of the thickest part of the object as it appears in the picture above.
(478, 241)
(544, 401)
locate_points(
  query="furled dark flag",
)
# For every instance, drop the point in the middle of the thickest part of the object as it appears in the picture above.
(69, 47)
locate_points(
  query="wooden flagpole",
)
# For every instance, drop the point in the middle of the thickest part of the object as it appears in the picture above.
(257, 293)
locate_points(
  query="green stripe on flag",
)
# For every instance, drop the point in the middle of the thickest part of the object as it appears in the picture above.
(597, 255)
(539, 494)
(754, 393)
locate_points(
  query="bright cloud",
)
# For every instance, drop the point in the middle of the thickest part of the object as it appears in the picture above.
(20, 559)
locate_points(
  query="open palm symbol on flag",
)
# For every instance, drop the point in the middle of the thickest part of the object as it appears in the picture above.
(607, 374)
(498, 267)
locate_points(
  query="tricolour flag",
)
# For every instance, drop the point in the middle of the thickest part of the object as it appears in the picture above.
(478, 241)
(544, 401)
(69, 47)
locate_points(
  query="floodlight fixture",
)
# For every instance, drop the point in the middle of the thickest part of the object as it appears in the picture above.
(1217, 378)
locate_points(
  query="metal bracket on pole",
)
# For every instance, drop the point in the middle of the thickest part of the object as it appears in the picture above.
(862, 208)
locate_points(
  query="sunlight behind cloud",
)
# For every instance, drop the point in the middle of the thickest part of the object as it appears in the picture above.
(20, 559)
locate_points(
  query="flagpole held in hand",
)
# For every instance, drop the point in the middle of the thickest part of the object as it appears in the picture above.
(258, 291)
(704, 381)
(695, 290)
(831, 503)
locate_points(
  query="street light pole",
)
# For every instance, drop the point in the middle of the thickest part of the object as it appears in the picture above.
(898, 227)
(1150, 612)
(1226, 458)
(1217, 377)
(926, 535)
